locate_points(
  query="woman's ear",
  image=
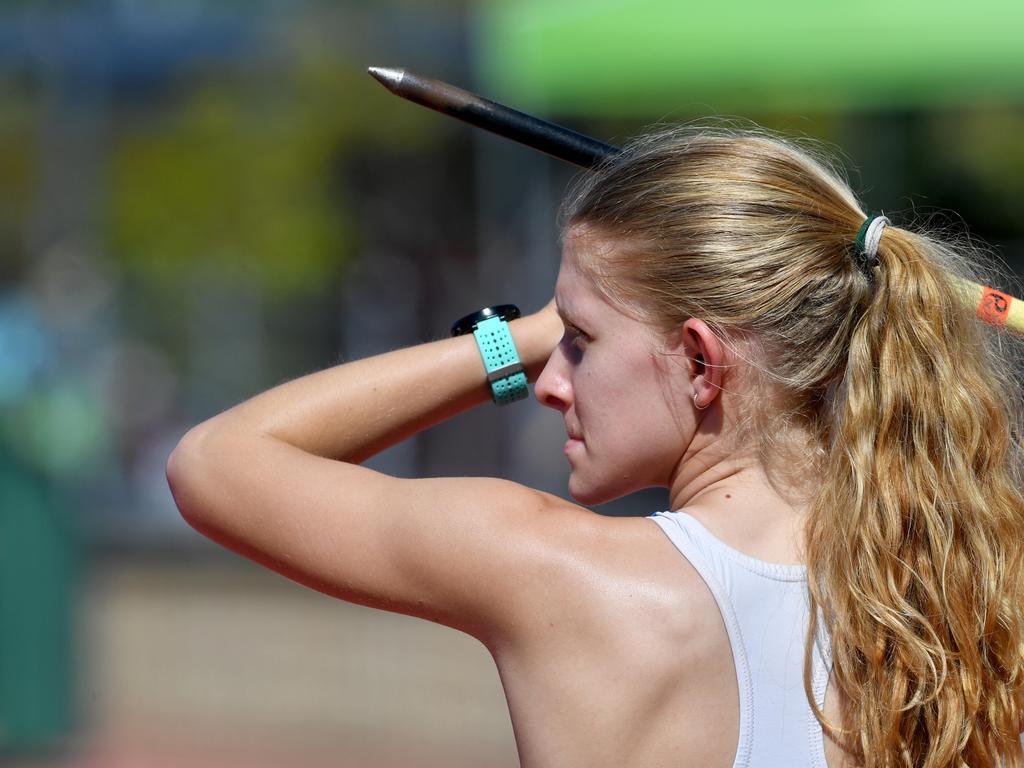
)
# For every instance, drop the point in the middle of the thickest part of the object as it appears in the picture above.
(706, 357)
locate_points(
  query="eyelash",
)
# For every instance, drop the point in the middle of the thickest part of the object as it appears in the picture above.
(579, 338)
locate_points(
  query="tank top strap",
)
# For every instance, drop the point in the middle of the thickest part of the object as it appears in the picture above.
(765, 609)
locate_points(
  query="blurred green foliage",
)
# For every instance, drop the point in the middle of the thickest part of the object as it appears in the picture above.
(244, 171)
(986, 147)
(58, 429)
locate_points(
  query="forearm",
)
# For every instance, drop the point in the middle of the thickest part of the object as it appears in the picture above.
(354, 410)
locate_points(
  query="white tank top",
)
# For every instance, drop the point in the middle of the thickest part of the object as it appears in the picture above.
(765, 610)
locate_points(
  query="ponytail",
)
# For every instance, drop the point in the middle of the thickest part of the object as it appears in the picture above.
(914, 545)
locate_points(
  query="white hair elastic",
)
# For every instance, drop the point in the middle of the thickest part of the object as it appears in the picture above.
(868, 236)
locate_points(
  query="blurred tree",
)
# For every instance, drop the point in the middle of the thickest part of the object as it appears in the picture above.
(240, 174)
(977, 162)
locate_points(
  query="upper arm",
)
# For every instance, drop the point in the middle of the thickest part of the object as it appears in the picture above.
(472, 553)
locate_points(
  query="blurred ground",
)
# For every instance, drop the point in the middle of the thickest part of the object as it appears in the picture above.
(222, 666)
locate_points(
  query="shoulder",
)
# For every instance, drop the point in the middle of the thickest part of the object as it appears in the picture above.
(614, 578)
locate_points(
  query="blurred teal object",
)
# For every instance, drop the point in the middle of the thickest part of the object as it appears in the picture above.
(49, 416)
(650, 58)
(26, 349)
(37, 577)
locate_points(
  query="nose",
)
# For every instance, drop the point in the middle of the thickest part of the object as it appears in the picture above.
(552, 387)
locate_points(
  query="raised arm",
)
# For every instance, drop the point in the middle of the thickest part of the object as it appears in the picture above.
(276, 479)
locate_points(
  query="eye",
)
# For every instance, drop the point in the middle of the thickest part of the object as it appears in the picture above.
(577, 338)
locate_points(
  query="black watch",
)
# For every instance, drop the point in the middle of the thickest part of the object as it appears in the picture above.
(469, 323)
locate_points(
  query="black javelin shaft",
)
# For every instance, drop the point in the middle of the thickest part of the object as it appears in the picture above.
(555, 140)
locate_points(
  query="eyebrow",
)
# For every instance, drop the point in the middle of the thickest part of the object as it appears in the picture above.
(570, 322)
(569, 314)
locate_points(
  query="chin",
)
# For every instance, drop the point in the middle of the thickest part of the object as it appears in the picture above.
(590, 496)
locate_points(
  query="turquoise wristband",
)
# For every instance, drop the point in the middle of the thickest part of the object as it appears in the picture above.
(501, 361)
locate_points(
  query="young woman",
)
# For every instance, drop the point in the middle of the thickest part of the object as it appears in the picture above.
(839, 579)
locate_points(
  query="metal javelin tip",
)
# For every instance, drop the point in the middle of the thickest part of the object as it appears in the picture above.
(388, 76)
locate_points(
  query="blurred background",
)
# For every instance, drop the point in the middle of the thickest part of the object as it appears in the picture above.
(202, 198)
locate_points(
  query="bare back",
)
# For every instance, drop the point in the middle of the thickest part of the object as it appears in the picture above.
(635, 671)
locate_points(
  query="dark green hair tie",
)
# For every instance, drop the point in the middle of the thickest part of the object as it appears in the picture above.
(866, 243)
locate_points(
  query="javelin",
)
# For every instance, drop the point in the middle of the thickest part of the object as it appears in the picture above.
(539, 134)
(992, 306)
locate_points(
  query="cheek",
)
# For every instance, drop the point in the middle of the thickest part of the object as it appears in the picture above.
(649, 426)
(600, 399)
(621, 397)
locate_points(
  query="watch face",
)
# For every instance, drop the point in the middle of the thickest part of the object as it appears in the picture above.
(468, 323)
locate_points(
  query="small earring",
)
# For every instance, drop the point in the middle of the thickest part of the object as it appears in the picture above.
(698, 407)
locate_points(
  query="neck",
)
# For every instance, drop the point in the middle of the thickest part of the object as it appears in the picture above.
(708, 470)
(733, 495)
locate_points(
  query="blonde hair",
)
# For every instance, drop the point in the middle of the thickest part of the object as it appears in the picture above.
(915, 538)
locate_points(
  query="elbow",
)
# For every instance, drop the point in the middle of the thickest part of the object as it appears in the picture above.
(185, 470)
(203, 476)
